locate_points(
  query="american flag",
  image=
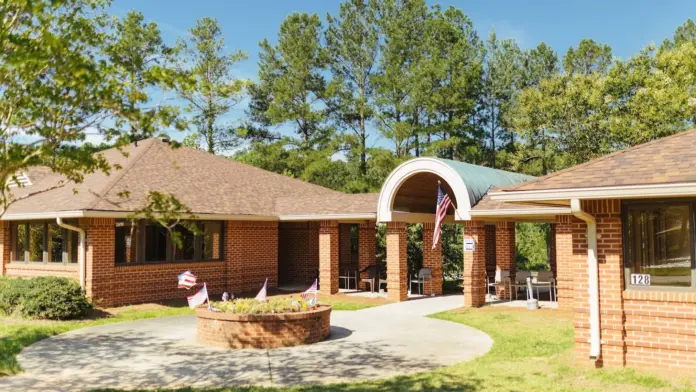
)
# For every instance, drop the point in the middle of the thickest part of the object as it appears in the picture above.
(311, 290)
(199, 298)
(261, 296)
(186, 280)
(443, 203)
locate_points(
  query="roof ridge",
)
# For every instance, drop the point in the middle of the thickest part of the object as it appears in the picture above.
(125, 169)
(599, 159)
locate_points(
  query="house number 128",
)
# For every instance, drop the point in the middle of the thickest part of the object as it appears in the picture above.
(640, 279)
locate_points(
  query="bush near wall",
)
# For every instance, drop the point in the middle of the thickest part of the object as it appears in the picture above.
(45, 297)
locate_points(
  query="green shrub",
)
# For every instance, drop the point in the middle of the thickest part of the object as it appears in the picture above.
(252, 306)
(12, 292)
(45, 297)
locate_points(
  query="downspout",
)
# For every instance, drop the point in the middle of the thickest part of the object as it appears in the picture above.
(81, 249)
(595, 339)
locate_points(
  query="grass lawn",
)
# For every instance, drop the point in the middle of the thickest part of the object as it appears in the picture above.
(532, 352)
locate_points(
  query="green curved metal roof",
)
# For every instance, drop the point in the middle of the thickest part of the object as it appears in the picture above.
(479, 179)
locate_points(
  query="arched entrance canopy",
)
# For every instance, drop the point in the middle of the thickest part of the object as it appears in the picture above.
(465, 183)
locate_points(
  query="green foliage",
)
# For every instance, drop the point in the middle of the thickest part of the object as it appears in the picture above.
(45, 297)
(272, 305)
(531, 240)
(169, 212)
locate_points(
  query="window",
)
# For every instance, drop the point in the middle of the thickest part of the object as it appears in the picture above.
(43, 242)
(150, 242)
(659, 244)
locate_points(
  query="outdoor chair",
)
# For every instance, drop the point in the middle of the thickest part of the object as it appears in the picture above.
(346, 275)
(520, 282)
(374, 277)
(502, 277)
(420, 278)
(545, 279)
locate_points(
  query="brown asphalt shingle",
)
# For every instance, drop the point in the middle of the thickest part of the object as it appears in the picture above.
(206, 183)
(668, 160)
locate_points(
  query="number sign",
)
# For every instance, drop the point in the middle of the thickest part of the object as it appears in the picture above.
(469, 245)
(640, 279)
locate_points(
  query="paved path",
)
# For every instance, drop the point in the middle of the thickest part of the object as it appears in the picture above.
(378, 342)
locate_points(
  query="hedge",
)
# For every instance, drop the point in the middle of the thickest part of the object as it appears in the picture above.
(45, 297)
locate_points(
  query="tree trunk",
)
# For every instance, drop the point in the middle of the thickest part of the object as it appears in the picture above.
(363, 147)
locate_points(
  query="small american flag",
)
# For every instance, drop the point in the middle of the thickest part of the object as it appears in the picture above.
(199, 298)
(186, 280)
(443, 203)
(311, 290)
(261, 296)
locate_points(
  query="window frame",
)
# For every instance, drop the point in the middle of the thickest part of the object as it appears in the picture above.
(46, 254)
(648, 204)
(141, 244)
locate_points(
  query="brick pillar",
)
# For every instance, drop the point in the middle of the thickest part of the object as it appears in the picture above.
(551, 252)
(367, 246)
(505, 253)
(475, 265)
(564, 260)
(328, 256)
(397, 268)
(5, 245)
(490, 250)
(432, 258)
(100, 258)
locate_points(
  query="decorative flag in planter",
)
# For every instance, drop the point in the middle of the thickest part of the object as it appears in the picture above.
(443, 203)
(199, 298)
(312, 290)
(261, 296)
(186, 280)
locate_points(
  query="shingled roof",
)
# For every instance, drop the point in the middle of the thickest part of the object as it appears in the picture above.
(206, 183)
(669, 160)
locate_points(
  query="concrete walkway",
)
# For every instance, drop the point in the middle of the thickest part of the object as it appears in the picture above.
(378, 342)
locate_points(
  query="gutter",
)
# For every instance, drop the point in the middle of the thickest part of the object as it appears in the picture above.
(615, 192)
(595, 338)
(81, 259)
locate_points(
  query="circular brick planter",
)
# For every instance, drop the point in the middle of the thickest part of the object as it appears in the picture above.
(230, 330)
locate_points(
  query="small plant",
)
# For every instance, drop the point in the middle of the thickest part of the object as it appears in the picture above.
(252, 306)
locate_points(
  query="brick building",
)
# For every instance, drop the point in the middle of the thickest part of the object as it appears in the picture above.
(622, 244)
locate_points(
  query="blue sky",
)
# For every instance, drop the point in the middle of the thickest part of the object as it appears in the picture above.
(625, 25)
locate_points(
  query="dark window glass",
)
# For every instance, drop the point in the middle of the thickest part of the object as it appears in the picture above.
(55, 243)
(19, 234)
(659, 243)
(36, 241)
(185, 246)
(211, 241)
(73, 246)
(155, 242)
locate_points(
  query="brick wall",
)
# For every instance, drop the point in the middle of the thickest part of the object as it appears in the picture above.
(475, 265)
(298, 252)
(4, 247)
(251, 255)
(551, 255)
(100, 259)
(367, 247)
(490, 250)
(22, 270)
(564, 260)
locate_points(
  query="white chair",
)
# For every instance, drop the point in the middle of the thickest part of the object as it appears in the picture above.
(502, 277)
(545, 279)
(521, 283)
(420, 278)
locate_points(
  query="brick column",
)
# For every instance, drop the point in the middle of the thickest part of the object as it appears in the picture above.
(367, 246)
(564, 260)
(475, 265)
(5, 245)
(505, 253)
(432, 258)
(490, 250)
(328, 257)
(397, 268)
(100, 258)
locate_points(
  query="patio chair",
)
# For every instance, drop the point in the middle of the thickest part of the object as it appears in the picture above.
(346, 275)
(420, 278)
(520, 282)
(502, 277)
(545, 279)
(374, 277)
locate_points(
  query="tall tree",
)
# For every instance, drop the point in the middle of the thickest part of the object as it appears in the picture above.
(209, 86)
(352, 39)
(588, 58)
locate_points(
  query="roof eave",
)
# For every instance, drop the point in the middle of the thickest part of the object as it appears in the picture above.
(616, 192)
